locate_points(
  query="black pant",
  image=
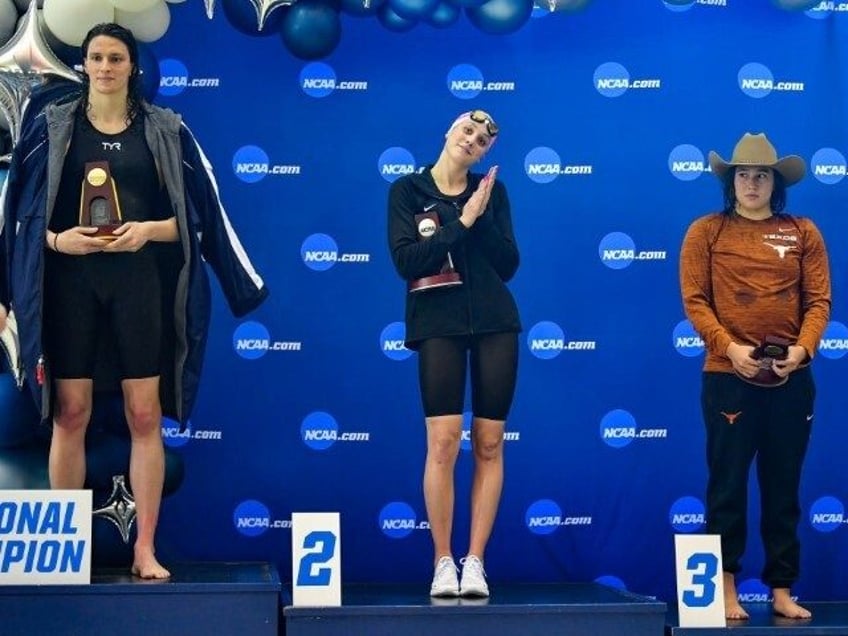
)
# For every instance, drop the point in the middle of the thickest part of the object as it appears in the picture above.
(773, 424)
(443, 364)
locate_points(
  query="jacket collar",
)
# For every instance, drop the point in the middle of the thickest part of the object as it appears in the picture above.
(59, 113)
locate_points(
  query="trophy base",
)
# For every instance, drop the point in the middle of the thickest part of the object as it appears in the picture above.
(105, 232)
(765, 378)
(448, 279)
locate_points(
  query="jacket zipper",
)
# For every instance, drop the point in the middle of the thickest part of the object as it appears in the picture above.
(467, 276)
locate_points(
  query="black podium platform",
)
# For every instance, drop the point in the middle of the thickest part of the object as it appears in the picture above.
(215, 599)
(828, 618)
(575, 609)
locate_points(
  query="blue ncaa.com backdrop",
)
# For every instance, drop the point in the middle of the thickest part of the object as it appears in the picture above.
(311, 404)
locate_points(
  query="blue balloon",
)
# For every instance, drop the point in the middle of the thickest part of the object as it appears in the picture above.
(311, 29)
(107, 447)
(499, 17)
(467, 3)
(242, 15)
(150, 75)
(19, 418)
(108, 549)
(358, 9)
(413, 9)
(445, 14)
(24, 468)
(392, 21)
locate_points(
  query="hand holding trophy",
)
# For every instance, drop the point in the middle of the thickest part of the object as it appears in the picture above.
(770, 349)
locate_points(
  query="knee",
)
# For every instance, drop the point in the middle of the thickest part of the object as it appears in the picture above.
(72, 416)
(444, 448)
(143, 418)
(488, 448)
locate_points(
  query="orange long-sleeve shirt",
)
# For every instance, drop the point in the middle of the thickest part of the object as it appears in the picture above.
(742, 280)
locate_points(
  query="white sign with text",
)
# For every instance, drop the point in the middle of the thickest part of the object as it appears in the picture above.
(700, 583)
(316, 559)
(45, 537)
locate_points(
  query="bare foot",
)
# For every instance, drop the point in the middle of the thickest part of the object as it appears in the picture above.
(783, 605)
(146, 566)
(732, 609)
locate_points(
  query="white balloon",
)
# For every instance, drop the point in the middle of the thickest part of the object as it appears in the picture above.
(147, 26)
(133, 5)
(70, 20)
(8, 19)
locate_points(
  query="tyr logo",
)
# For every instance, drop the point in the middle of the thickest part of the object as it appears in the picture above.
(107, 145)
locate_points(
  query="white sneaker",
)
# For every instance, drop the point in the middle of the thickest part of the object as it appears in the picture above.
(445, 581)
(473, 577)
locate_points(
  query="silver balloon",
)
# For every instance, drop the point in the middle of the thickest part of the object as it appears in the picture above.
(264, 8)
(119, 508)
(26, 61)
(566, 6)
(210, 8)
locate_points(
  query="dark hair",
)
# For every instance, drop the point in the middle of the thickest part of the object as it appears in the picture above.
(778, 194)
(112, 30)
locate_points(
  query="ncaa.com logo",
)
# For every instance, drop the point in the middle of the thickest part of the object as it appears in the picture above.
(753, 591)
(319, 431)
(618, 429)
(319, 80)
(395, 162)
(320, 252)
(828, 165)
(686, 340)
(544, 516)
(687, 515)
(546, 340)
(252, 518)
(827, 514)
(251, 340)
(617, 251)
(834, 342)
(757, 81)
(686, 162)
(397, 520)
(465, 81)
(173, 79)
(251, 164)
(823, 9)
(611, 79)
(173, 437)
(678, 6)
(543, 165)
(392, 340)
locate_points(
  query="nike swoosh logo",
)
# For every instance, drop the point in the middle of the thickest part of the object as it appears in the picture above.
(809, 417)
(785, 229)
(427, 208)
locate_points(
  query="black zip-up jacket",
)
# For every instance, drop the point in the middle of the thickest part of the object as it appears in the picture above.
(485, 256)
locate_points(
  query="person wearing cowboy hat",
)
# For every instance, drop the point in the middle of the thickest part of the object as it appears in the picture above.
(748, 273)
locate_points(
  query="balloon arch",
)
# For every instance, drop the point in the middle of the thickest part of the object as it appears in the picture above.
(309, 29)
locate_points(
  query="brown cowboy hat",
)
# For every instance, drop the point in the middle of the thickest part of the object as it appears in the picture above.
(756, 150)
